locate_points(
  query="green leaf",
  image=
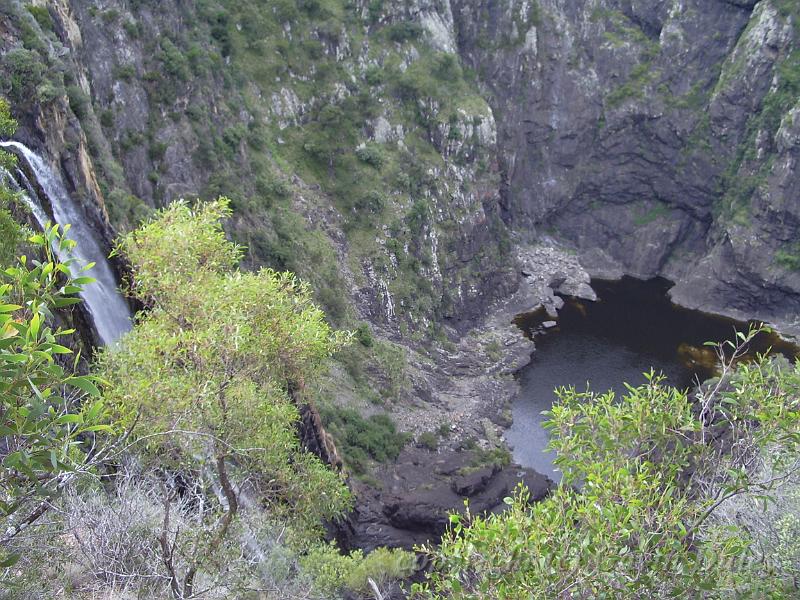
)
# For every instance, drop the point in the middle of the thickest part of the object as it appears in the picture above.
(83, 280)
(70, 418)
(62, 302)
(85, 384)
(94, 411)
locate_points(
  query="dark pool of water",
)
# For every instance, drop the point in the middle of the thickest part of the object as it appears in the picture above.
(632, 327)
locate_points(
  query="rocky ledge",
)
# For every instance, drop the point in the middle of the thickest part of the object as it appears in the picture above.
(470, 389)
(410, 501)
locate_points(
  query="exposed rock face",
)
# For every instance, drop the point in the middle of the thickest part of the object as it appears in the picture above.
(657, 137)
(418, 493)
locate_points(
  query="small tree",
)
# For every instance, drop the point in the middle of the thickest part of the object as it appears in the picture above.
(211, 375)
(46, 425)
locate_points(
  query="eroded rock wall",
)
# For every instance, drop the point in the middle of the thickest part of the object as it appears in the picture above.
(658, 138)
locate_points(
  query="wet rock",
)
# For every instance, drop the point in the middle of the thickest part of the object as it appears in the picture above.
(475, 482)
(414, 497)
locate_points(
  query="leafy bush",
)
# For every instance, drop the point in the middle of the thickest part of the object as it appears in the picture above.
(374, 75)
(42, 16)
(789, 259)
(371, 154)
(25, 71)
(648, 462)
(333, 572)
(78, 101)
(124, 72)
(403, 32)
(429, 440)
(361, 439)
(125, 210)
(382, 565)
(364, 335)
(174, 60)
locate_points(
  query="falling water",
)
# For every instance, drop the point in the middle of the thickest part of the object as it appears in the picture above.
(109, 310)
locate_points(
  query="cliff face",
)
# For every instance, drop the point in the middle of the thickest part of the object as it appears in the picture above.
(657, 138)
(393, 152)
(355, 149)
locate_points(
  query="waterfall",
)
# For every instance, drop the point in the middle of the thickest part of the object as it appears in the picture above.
(109, 311)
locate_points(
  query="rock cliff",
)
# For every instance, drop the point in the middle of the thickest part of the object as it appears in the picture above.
(656, 138)
(374, 146)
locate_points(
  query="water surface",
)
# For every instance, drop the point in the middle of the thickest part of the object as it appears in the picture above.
(632, 328)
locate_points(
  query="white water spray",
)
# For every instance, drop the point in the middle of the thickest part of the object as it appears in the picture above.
(108, 309)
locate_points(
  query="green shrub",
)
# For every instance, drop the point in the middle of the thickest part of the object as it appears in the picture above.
(382, 565)
(157, 150)
(333, 572)
(364, 335)
(374, 75)
(125, 210)
(131, 28)
(78, 101)
(124, 72)
(25, 72)
(174, 60)
(360, 439)
(789, 259)
(110, 15)
(371, 154)
(42, 16)
(403, 32)
(49, 90)
(373, 202)
(429, 440)
(107, 118)
(374, 10)
(220, 32)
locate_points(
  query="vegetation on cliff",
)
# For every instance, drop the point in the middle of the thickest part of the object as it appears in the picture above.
(356, 140)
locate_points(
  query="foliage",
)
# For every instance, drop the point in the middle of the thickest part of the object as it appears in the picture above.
(360, 439)
(333, 573)
(364, 335)
(25, 74)
(45, 418)
(107, 537)
(42, 16)
(12, 234)
(79, 102)
(371, 154)
(651, 468)
(789, 258)
(377, 368)
(213, 372)
(429, 440)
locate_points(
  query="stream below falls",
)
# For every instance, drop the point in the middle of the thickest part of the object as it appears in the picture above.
(632, 327)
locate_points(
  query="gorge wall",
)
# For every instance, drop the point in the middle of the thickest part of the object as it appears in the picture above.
(375, 146)
(398, 155)
(656, 138)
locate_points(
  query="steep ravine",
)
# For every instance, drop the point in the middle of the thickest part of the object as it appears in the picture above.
(433, 167)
